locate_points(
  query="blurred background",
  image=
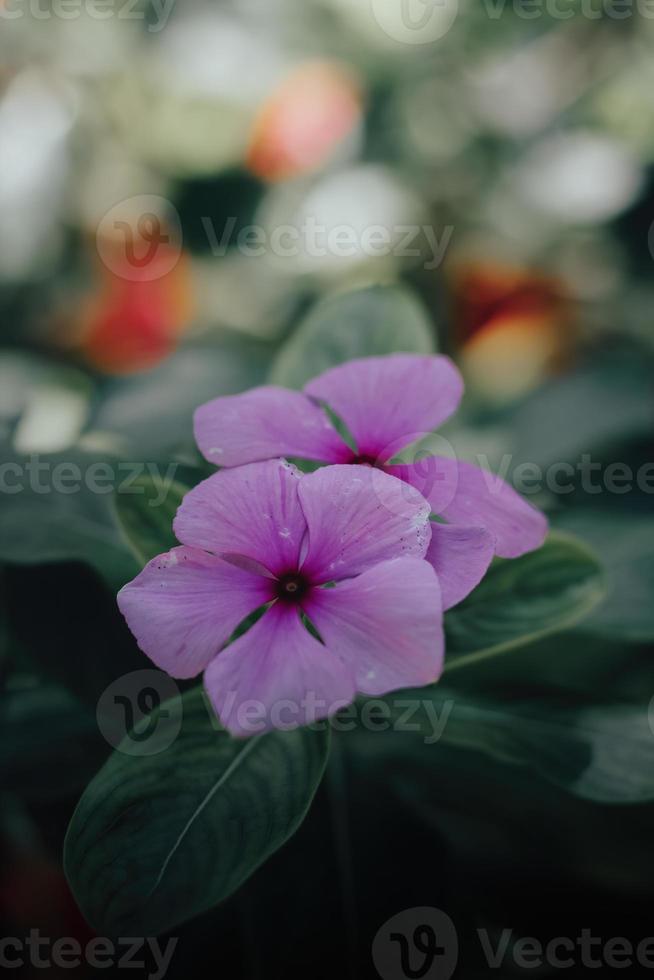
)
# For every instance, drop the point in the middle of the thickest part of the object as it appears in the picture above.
(182, 187)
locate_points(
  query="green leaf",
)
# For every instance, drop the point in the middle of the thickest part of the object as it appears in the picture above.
(625, 542)
(145, 515)
(598, 752)
(606, 401)
(160, 838)
(524, 599)
(50, 743)
(41, 523)
(150, 415)
(574, 663)
(378, 320)
(64, 624)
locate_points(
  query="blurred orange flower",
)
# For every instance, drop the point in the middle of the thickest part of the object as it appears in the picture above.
(132, 322)
(513, 327)
(304, 121)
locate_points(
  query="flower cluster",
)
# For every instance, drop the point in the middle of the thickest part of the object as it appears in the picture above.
(351, 573)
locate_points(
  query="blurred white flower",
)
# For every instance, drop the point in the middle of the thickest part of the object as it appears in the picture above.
(352, 218)
(578, 177)
(35, 121)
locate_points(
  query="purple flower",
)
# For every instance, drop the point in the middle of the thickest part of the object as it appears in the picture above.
(386, 403)
(343, 547)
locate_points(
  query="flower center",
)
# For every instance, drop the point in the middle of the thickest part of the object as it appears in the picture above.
(363, 460)
(291, 587)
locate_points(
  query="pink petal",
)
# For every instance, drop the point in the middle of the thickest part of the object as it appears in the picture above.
(465, 494)
(387, 625)
(389, 402)
(265, 423)
(185, 605)
(460, 556)
(251, 511)
(358, 516)
(276, 676)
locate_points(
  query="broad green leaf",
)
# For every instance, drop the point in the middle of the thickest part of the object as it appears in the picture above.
(624, 541)
(54, 492)
(57, 508)
(146, 515)
(368, 322)
(150, 415)
(505, 821)
(50, 744)
(524, 599)
(574, 663)
(607, 400)
(160, 838)
(65, 625)
(599, 752)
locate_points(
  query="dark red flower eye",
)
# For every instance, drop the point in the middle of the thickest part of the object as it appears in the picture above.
(291, 587)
